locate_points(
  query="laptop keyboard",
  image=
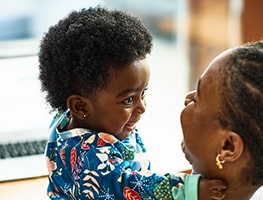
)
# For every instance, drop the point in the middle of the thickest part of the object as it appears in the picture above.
(20, 149)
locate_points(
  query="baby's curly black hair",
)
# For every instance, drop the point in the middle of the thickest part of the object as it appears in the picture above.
(76, 54)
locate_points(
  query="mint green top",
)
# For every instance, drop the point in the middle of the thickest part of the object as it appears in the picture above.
(188, 190)
(191, 186)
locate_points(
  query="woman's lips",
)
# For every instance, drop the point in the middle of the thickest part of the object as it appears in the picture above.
(185, 152)
(183, 146)
(187, 157)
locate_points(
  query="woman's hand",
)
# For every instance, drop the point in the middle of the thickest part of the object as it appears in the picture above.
(211, 189)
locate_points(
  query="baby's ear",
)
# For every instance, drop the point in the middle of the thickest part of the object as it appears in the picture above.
(233, 147)
(78, 105)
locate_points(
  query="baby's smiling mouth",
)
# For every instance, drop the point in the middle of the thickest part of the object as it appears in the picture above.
(130, 126)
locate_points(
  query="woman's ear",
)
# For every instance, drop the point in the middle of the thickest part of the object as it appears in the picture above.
(79, 106)
(232, 147)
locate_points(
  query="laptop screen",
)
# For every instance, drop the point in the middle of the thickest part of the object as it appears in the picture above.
(22, 104)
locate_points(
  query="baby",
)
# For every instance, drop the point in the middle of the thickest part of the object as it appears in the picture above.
(94, 72)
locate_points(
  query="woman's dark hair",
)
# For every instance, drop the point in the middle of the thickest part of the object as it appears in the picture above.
(76, 54)
(242, 102)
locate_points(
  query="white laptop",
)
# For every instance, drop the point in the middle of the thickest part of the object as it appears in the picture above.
(24, 114)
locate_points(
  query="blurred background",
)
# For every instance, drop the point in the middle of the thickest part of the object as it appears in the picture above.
(187, 35)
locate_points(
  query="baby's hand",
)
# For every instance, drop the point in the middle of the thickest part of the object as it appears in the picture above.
(211, 189)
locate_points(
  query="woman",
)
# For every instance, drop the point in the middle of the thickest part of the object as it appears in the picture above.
(222, 122)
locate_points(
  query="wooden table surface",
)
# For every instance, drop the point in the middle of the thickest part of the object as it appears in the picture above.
(28, 189)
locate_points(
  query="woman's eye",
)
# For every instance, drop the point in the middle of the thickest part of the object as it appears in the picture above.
(129, 100)
(194, 99)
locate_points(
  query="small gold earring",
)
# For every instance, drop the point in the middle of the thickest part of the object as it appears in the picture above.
(84, 115)
(219, 162)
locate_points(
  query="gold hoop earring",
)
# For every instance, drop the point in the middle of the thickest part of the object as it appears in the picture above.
(219, 162)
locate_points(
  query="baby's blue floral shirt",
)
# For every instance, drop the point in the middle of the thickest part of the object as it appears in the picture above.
(84, 164)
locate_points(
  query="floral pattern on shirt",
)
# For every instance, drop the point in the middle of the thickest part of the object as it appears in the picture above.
(85, 164)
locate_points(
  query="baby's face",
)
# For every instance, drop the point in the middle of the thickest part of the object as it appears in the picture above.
(118, 107)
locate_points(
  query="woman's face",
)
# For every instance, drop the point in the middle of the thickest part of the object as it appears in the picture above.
(201, 129)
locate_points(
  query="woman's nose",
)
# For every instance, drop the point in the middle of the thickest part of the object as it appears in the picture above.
(187, 101)
(189, 97)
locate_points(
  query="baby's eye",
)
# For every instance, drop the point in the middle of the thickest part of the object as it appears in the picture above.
(129, 100)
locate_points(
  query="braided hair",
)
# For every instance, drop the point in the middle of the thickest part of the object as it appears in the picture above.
(242, 102)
